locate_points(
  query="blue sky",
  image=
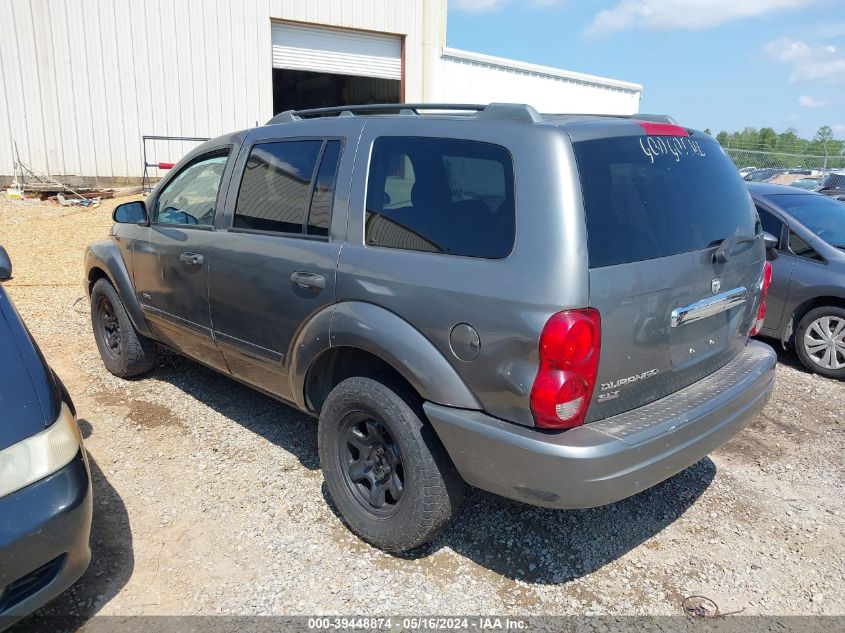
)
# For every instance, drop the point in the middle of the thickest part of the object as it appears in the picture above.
(722, 64)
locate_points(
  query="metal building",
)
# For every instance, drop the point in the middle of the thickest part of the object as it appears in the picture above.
(82, 80)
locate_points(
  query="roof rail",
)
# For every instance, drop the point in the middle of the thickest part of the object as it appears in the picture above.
(494, 111)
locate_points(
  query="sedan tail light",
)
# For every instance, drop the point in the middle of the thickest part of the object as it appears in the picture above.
(764, 290)
(570, 346)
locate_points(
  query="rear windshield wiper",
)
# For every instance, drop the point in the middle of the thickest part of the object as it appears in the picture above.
(727, 245)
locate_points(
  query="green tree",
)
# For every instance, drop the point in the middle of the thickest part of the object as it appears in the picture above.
(708, 132)
(824, 134)
(768, 138)
(722, 137)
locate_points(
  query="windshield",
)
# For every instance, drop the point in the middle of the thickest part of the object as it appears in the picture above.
(652, 196)
(810, 184)
(823, 216)
(833, 181)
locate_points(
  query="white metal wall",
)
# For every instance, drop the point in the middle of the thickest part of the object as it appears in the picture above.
(82, 80)
(465, 77)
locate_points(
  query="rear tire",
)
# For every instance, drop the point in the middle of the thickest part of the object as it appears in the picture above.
(124, 351)
(820, 341)
(386, 471)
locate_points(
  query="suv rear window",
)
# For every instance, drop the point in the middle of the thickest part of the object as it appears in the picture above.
(440, 195)
(654, 196)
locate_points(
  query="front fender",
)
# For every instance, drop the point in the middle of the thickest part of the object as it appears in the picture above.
(382, 333)
(105, 255)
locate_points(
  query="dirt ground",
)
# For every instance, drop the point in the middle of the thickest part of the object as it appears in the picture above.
(209, 498)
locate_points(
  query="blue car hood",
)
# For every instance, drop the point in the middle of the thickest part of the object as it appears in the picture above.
(29, 395)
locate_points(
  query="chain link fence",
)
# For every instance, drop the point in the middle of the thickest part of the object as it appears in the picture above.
(807, 162)
(746, 158)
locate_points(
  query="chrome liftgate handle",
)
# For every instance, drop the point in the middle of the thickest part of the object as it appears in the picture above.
(708, 307)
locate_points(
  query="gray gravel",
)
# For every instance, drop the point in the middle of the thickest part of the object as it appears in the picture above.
(209, 497)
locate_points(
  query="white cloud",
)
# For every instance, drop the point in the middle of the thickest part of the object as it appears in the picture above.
(808, 102)
(808, 62)
(693, 15)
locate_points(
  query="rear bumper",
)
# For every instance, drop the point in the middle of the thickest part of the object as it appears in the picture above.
(44, 532)
(611, 459)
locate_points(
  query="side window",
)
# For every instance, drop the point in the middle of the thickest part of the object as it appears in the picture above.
(799, 246)
(320, 215)
(771, 224)
(190, 198)
(275, 185)
(441, 195)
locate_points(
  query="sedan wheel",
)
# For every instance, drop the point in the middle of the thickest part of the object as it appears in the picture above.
(824, 342)
(820, 341)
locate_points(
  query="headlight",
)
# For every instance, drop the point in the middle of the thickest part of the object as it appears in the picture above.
(40, 455)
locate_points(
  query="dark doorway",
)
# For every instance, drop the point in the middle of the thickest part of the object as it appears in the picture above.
(301, 89)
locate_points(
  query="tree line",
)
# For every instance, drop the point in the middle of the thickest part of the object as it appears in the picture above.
(788, 142)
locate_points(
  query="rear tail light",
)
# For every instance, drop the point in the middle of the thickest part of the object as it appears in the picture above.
(570, 346)
(764, 289)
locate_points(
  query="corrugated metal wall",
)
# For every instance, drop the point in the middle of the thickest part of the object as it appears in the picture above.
(82, 80)
(466, 77)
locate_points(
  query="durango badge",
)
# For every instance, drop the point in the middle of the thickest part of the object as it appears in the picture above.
(629, 380)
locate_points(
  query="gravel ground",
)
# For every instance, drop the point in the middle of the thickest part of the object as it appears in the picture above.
(209, 496)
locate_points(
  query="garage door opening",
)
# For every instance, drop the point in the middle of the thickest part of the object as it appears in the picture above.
(302, 89)
(321, 67)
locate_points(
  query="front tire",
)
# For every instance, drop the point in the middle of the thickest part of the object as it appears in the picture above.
(124, 351)
(386, 471)
(820, 341)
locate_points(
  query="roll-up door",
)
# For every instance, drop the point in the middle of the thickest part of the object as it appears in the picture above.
(336, 51)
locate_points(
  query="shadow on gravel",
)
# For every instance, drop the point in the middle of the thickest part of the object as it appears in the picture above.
(279, 423)
(543, 546)
(510, 538)
(112, 560)
(786, 357)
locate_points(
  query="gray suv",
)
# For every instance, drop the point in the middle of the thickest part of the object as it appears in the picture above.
(554, 308)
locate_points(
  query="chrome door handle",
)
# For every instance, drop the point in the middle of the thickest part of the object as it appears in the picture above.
(191, 259)
(308, 280)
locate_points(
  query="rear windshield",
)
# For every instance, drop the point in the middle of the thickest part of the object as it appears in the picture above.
(652, 196)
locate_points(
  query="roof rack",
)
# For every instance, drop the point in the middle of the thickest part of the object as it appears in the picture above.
(494, 111)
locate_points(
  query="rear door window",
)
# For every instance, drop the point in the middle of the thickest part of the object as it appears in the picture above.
(652, 196)
(441, 195)
(320, 215)
(275, 186)
(288, 187)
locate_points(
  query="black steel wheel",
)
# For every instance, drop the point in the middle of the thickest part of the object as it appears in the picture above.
(371, 464)
(109, 326)
(385, 469)
(124, 351)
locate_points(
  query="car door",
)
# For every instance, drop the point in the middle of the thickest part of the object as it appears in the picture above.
(274, 263)
(171, 262)
(782, 269)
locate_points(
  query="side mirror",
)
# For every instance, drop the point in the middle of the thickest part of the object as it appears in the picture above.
(771, 246)
(130, 213)
(5, 265)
